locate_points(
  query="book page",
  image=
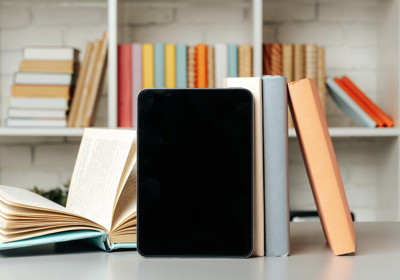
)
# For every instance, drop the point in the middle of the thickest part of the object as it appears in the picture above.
(101, 160)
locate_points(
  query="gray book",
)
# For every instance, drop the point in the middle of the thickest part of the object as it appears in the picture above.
(276, 165)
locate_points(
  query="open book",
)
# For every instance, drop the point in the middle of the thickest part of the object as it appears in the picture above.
(101, 204)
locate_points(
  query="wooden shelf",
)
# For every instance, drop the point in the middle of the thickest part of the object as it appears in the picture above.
(343, 132)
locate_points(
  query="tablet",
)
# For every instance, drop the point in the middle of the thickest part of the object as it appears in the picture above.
(195, 172)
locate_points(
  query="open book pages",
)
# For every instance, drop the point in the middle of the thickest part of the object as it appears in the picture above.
(102, 194)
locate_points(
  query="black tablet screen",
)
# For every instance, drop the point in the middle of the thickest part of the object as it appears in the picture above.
(195, 167)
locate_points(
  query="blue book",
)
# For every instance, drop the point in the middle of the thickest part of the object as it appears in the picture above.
(181, 66)
(159, 65)
(101, 203)
(348, 105)
(233, 64)
(276, 165)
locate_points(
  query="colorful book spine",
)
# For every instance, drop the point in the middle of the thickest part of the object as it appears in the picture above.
(348, 105)
(245, 61)
(275, 59)
(148, 65)
(221, 64)
(170, 66)
(311, 61)
(266, 59)
(211, 67)
(322, 167)
(276, 165)
(181, 66)
(125, 85)
(201, 70)
(299, 65)
(233, 64)
(159, 65)
(191, 67)
(137, 79)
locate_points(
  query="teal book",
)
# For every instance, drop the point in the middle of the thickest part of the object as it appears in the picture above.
(233, 63)
(159, 65)
(181, 66)
(101, 203)
(348, 105)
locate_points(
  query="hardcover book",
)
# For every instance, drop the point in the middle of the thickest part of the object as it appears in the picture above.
(101, 203)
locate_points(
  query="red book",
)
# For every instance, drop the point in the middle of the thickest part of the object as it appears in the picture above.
(363, 98)
(125, 85)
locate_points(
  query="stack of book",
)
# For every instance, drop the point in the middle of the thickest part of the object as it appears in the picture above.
(162, 65)
(43, 87)
(296, 62)
(89, 84)
(356, 104)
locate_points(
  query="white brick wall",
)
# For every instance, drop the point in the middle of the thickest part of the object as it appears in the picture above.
(346, 28)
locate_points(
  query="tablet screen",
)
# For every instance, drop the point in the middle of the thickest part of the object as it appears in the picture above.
(195, 172)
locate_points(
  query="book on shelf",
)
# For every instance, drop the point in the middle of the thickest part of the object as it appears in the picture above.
(201, 65)
(33, 122)
(210, 66)
(26, 78)
(191, 67)
(137, 79)
(38, 103)
(170, 66)
(101, 206)
(245, 61)
(36, 113)
(221, 63)
(50, 53)
(41, 91)
(124, 85)
(322, 167)
(181, 66)
(46, 66)
(148, 65)
(159, 65)
(233, 63)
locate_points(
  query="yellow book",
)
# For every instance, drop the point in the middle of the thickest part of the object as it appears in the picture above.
(170, 66)
(148, 65)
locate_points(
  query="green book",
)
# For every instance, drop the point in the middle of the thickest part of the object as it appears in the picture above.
(101, 203)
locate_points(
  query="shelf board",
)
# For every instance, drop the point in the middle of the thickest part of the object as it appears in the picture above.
(343, 132)
(5, 131)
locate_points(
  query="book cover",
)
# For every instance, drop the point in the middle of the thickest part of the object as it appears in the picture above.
(50, 53)
(322, 167)
(299, 64)
(348, 106)
(221, 63)
(40, 91)
(181, 66)
(276, 165)
(36, 113)
(233, 64)
(148, 65)
(48, 66)
(159, 65)
(38, 103)
(201, 66)
(170, 66)
(101, 206)
(361, 98)
(191, 67)
(124, 97)
(211, 66)
(245, 61)
(137, 79)
(27, 78)
(253, 84)
(36, 122)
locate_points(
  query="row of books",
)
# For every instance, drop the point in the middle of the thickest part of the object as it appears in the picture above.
(296, 62)
(163, 65)
(43, 87)
(356, 104)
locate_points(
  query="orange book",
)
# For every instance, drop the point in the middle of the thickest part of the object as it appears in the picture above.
(48, 66)
(321, 165)
(201, 71)
(352, 90)
(41, 91)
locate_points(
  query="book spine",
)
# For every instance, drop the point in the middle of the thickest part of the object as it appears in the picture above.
(159, 65)
(288, 70)
(233, 61)
(148, 65)
(221, 64)
(266, 59)
(276, 59)
(245, 61)
(348, 105)
(181, 66)
(210, 67)
(191, 68)
(322, 167)
(170, 66)
(201, 59)
(321, 76)
(299, 65)
(125, 85)
(311, 63)
(276, 165)
(137, 79)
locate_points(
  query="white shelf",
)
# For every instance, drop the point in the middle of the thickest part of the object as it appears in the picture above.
(78, 132)
(344, 132)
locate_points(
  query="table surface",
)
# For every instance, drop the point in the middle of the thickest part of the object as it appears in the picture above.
(377, 257)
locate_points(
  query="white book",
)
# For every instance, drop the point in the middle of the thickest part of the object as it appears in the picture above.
(38, 103)
(50, 53)
(27, 78)
(36, 113)
(39, 123)
(221, 64)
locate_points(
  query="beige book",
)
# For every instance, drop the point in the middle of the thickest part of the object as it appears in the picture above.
(321, 77)
(77, 97)
(191, 67)
(299, 66)
(253, 84)
(101, 199)
(245, 53)
(44, 91)
(211, 66)
(311, 52)
(48, 66)
(288, 70)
